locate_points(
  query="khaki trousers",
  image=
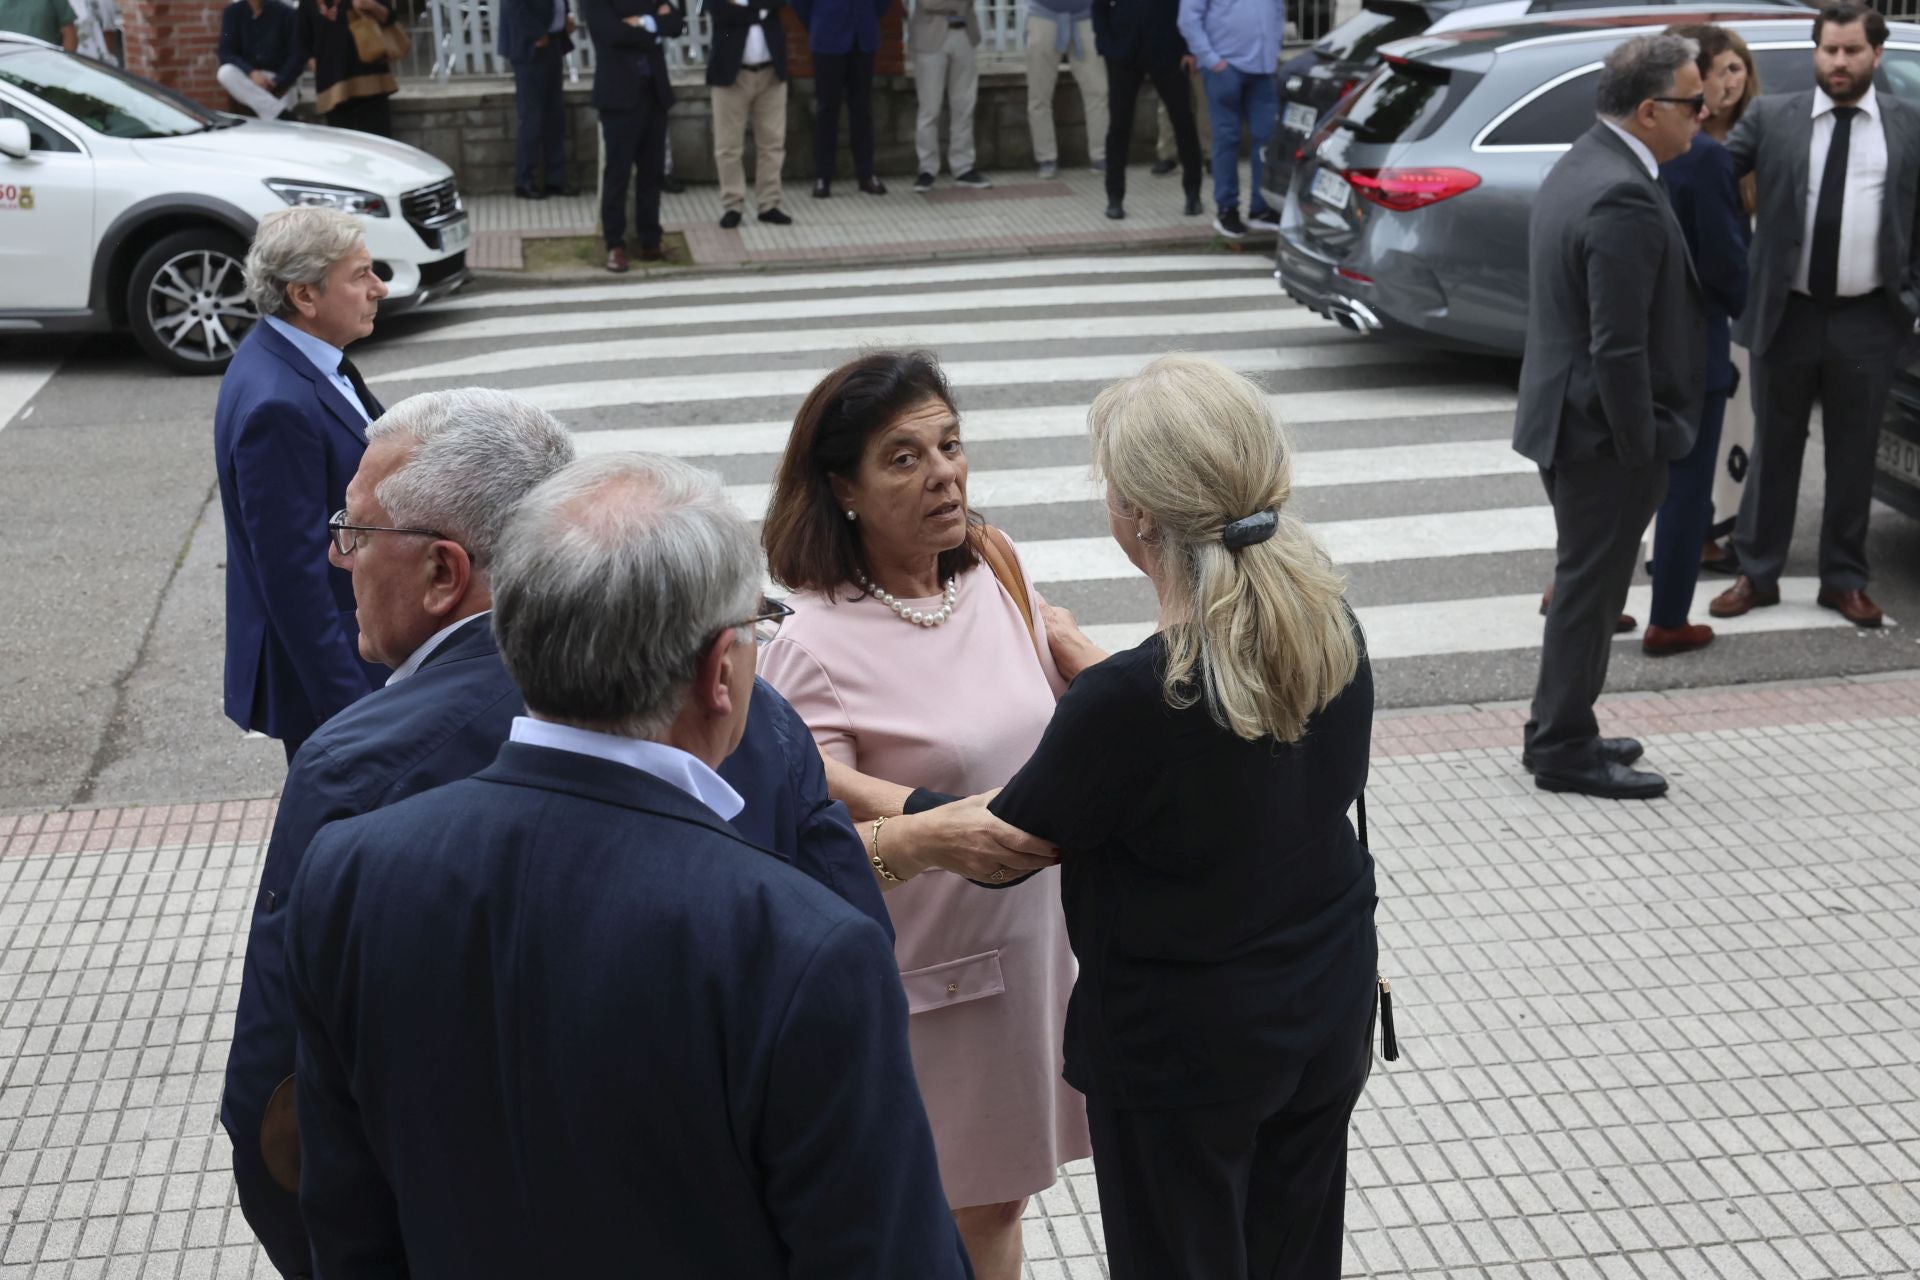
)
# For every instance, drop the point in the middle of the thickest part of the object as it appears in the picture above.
(1163, 148)
(1043, 73)
(759, 96)
(952, 75)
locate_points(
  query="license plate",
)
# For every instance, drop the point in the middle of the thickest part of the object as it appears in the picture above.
(1330, 189)
(1301, 117)
(455, 235)
(1900, 458)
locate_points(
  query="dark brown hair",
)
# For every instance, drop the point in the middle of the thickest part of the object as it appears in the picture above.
(1715, 40)
(810, 544)
(1844, 13)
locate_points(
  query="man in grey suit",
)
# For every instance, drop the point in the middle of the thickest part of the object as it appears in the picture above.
(1835, 292)
(1616, 346)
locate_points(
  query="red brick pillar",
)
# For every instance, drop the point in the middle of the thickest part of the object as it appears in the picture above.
(176, 42)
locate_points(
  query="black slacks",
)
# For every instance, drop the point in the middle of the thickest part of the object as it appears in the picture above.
(1842, 354)
(1123, 91)
(848, 78)
(1600, 512)
(635, 142)
(364, 115)
(1253, 1189)
(539, 140)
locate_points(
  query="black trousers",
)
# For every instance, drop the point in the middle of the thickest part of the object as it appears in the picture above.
(837, 78)
(1842, 354)
(1123, 91)
(634, 141)
(1600, 512)
(539, 140)
(1248, 1190)
(365, 115)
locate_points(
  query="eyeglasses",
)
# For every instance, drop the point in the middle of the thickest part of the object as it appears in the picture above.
(346, 537)
(1697, 103)
(766, 623)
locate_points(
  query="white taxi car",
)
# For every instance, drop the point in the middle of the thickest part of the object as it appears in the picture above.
(125, 206)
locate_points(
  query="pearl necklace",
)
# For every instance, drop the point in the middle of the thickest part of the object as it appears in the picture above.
(918, 617)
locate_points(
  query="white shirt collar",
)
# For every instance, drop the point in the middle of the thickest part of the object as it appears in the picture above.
(1640, 149)
(434, 641)
(323, 354)
(669, 764)
(1869, 103)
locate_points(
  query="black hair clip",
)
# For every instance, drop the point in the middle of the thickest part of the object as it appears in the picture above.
(1257, 527)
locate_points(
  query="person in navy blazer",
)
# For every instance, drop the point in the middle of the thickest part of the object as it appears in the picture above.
(843, 36)
(535, 36)
(289, 428)
(632, 94)
(462, 460)
(560, 1018)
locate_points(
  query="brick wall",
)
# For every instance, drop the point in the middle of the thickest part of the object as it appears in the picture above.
(177, 43)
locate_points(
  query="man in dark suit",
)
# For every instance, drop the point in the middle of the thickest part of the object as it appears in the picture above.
(1141, 40)
(560, 1017)
(1609, 387)
(632, 95)
(439, 479)
(1836, 292)
(535, 37)
(747, 74)
(843, 36)
(288, 432)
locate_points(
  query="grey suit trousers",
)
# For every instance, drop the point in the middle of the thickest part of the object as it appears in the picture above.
(1600, 512)
(1842, 354)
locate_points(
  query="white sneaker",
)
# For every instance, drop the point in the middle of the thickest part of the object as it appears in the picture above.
(1049, 169)
(1265, 220)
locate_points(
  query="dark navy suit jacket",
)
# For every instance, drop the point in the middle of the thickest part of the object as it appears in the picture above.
(286, 443)
(558, 1019)
(1706, 200)
(445, 722)
(521, 23)
(841, 26)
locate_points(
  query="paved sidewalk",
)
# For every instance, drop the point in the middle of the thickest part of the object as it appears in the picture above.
(1021, 213)
(1654, 1040)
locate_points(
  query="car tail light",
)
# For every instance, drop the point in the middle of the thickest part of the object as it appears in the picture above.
(1404, 190)
(1348, 273)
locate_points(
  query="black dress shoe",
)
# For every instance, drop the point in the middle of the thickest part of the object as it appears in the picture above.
(822, 188)
(1607, 779)
(672, 185)
(1161, 168)
(529, 193)
(1193, 206)
(777, 216)
(1618, 750)
(562, 189)
(873, 186)
(730, 219)
(1116, 210)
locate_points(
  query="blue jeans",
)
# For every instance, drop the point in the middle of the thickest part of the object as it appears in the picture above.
(1231, 94)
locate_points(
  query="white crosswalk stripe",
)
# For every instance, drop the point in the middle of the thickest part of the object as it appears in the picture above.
(1413, 444)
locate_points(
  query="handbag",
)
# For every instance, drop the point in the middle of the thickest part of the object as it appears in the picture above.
(377, 42)
(1389, 1046)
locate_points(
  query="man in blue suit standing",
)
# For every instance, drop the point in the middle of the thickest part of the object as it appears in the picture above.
(441, 476)
(535, 37)
(559, 1018)
(843, 36)
(289, 429)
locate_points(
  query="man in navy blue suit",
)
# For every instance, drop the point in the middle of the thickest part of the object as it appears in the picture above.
(559, 1018)
(423, 514)
(535, 37)
(289, 429)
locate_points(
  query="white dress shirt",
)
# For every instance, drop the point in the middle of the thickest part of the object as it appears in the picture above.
(325, 357)
(1640, 149)
(1860, 211)
(756, 50)
(669, 764)
(425, 651)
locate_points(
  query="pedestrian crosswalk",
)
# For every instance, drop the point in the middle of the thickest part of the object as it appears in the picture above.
(1404, 468)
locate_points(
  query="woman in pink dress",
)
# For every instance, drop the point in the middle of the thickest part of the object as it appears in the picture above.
(924, 677)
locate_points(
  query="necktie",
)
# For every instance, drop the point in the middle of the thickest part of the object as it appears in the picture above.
(368, 404)
(1823, 266)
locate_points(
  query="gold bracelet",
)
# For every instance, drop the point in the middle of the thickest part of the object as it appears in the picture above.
(886, 872)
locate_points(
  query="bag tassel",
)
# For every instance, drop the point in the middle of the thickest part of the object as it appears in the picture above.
(1389, 1046)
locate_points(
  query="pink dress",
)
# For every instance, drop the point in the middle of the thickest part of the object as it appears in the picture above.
(987, 973)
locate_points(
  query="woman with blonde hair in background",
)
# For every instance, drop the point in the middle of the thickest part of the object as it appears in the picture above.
(1218, 900)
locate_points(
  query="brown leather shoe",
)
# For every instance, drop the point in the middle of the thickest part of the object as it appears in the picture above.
(1851, 605)
(1742, 596)
(616, 260)
(1625, 623)
(1661, 642)
(658, 253)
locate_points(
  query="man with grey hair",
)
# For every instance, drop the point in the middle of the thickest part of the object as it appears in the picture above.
(1609, 388)
(288, 432)
(558, 1018)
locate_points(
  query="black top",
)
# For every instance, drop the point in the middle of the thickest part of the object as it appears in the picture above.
(1216, 896)
(261, 42)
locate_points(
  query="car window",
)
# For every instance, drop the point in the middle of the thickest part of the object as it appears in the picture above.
(45, 137)
(1784, 70)
(1356, 39)
(105, 100)
(1902, 70)
(1398, 103)
(1556, 117)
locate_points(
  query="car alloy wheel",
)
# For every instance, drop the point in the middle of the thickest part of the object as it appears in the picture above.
(187, 301)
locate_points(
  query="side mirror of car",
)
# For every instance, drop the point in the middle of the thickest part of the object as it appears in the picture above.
(15, 141)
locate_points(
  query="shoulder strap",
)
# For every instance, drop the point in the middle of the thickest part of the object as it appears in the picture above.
(998, 553)
(1362, 815)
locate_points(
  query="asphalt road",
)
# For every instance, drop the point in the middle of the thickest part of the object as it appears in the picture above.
(112, 564)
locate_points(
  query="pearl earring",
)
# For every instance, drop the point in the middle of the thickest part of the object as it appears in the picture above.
(852, 516)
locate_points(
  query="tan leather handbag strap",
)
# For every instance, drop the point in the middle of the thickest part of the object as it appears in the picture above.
(999, 556)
